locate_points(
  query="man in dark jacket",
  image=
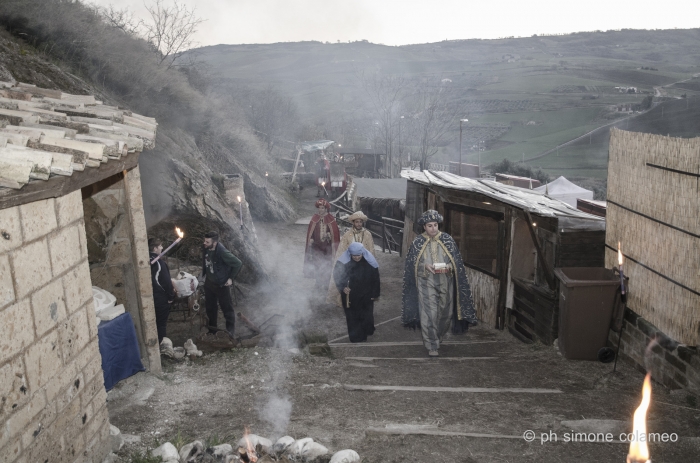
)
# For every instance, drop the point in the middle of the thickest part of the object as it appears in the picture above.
(356, 275)
(163, 291)
(219, 268)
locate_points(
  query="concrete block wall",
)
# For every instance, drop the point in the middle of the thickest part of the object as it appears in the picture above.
(674, 365)
(52, 395)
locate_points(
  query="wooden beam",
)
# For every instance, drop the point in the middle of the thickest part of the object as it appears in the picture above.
(548, 272)
(415, 431)
(504, 259)
(420, 359)
(60, 186)
(404, 343)
(477, 390)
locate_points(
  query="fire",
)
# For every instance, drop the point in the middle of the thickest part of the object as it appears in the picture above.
(238, 198)
(639, 451)
(323, 183)
(250, 450)
(619, 254)
(179, 232)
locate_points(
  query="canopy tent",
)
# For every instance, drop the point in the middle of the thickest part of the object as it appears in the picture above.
(565, 191)
(318, 145)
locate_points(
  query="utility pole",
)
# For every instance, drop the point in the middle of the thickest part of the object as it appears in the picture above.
(460, 146)
(400, 154)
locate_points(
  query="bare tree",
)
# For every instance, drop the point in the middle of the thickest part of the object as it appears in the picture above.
(122, 19)
(272, 115)
(385, 94)
(433, 113)
(171, 30)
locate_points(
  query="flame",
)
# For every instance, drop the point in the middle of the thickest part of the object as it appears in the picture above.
(619, 254)
(323, 183)
(639, 451)
(179, 232)
(265, 174)
(238, 198)
(252, 454)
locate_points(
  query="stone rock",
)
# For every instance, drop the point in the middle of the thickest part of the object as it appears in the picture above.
(220, 451)
(266, 444)
(313, 450)
(191, 348)
(111, 458)
(167, 452)
(345, 456)
(282, 444)
(319, 349)
(115, 436)
(295, 449)
(190, 452)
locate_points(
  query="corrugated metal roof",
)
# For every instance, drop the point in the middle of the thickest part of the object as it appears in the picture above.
(527, 200)
(380, 188)
(46, 132)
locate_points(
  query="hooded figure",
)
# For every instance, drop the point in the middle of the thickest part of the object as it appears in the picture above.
(322, 239)
(356, 275)
(436, 293)
(357, 234)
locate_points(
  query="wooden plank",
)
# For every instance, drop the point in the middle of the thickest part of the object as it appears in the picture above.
(420, 359)
(474, 390)
(60, 186)
(415, 431)
(404, 343)
(504, 258)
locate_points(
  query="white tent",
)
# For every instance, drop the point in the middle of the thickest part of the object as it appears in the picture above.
(564, 190)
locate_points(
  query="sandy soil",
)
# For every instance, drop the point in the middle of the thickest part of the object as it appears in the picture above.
(277, 391)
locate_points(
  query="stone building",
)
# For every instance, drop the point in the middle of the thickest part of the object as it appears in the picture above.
(71, 213)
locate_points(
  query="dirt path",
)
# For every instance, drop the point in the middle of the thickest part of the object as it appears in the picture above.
(277, 391)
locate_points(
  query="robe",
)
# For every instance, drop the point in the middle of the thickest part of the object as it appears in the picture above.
(365, 237)
(320, 255)
(363, 281)
(443, 298)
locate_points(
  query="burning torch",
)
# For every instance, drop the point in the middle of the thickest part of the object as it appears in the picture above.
(323, 184)
(622, 274)
(180, 236)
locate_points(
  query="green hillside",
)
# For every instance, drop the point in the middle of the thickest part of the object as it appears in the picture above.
(522, 96)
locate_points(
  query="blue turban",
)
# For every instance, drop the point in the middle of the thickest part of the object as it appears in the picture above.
(429, 216)
(356, 249)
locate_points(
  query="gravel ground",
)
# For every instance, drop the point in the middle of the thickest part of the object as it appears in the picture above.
(278, 390)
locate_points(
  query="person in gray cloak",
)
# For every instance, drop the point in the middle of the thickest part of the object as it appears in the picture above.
(436, 293)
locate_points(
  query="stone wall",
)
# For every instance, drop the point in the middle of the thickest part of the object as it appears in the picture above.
(674, 365)
(52, 395)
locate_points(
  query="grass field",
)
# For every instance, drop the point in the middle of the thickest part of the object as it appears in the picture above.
(550, 82)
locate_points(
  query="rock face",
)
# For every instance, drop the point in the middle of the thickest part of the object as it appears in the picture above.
(180, 189)
(167, 452)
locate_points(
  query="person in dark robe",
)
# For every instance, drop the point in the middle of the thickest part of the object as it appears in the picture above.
(163, 289)
(356, 275)
(436, 293)
(322, 238)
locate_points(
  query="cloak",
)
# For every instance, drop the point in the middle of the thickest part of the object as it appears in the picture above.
(348, 238)
(320, 253)
(463, 313)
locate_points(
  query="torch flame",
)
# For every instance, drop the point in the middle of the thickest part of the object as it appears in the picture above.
(619, 254)
(179, 232)
(238, 198)
(639, 451)
(323, 183)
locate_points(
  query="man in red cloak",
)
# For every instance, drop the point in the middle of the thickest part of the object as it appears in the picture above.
(322, 240)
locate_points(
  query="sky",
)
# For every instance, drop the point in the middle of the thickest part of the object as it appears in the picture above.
(394, 22)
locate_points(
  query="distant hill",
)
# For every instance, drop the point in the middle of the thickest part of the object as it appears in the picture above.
(522, 96)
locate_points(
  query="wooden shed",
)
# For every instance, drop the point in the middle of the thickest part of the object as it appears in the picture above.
(511, 239)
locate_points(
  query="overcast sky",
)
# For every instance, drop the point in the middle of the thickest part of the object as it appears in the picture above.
(395, 22)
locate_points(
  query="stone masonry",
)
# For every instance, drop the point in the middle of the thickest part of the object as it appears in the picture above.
(672, 364)
(52, 395)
